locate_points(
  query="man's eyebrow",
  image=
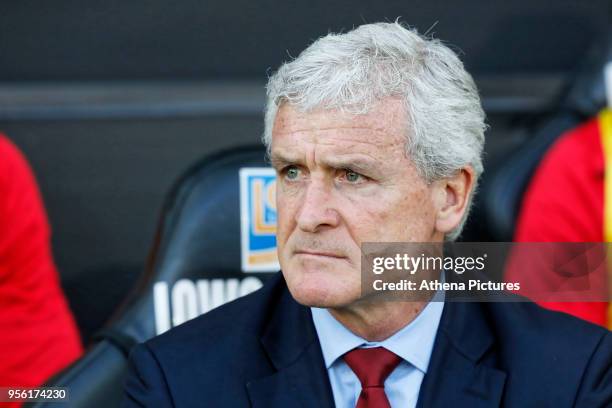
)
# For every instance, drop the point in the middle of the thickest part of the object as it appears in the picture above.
(356, 163)
(278, 160)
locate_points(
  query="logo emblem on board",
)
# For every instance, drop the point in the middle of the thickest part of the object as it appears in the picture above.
(258, 219)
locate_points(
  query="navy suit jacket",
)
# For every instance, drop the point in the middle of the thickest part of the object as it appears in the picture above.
(262, 350)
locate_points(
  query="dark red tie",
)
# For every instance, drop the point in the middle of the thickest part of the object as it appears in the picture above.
(372, 366)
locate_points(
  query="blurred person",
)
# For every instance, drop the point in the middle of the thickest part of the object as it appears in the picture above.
(565, 202)
(376, 136)
(38, 336)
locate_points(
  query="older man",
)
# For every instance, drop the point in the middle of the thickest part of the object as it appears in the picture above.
(376, 136)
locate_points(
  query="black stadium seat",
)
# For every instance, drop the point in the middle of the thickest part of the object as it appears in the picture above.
(194, 265)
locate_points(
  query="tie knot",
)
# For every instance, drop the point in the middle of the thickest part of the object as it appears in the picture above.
(372, 365)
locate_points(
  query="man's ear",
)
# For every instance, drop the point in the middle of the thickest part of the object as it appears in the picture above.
(452, 198)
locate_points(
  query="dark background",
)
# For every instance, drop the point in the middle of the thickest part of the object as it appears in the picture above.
(112, 100)
(152, 40)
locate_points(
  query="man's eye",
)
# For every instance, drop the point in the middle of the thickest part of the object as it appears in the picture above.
(352, 177)
(291, 173)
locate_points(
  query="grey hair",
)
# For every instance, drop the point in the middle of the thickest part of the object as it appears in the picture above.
(352, 71)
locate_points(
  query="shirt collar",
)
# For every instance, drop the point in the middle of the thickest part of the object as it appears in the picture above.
(413, 343)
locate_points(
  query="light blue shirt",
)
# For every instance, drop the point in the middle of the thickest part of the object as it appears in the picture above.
(413, 344)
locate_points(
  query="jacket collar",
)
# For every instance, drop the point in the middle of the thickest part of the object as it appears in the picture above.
(461, 371)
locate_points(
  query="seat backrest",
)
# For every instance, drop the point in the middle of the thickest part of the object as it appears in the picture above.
(504, 185)
(215, 241)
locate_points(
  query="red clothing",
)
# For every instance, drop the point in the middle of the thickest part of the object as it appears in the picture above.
(565, 203)
(38, 336)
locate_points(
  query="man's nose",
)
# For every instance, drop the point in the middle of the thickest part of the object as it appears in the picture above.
(317, 211)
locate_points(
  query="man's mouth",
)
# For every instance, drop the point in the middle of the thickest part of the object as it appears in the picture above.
(319, 254)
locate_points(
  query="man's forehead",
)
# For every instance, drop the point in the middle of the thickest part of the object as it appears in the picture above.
(385, 120)
(339, 139)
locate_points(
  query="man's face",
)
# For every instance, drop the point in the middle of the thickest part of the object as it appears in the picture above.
(343, 180)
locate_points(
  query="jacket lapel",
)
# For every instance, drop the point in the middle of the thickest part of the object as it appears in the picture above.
(291, 343)
(461, 372)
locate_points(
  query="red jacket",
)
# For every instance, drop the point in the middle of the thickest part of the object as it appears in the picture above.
(38, 335)
(565, 203)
